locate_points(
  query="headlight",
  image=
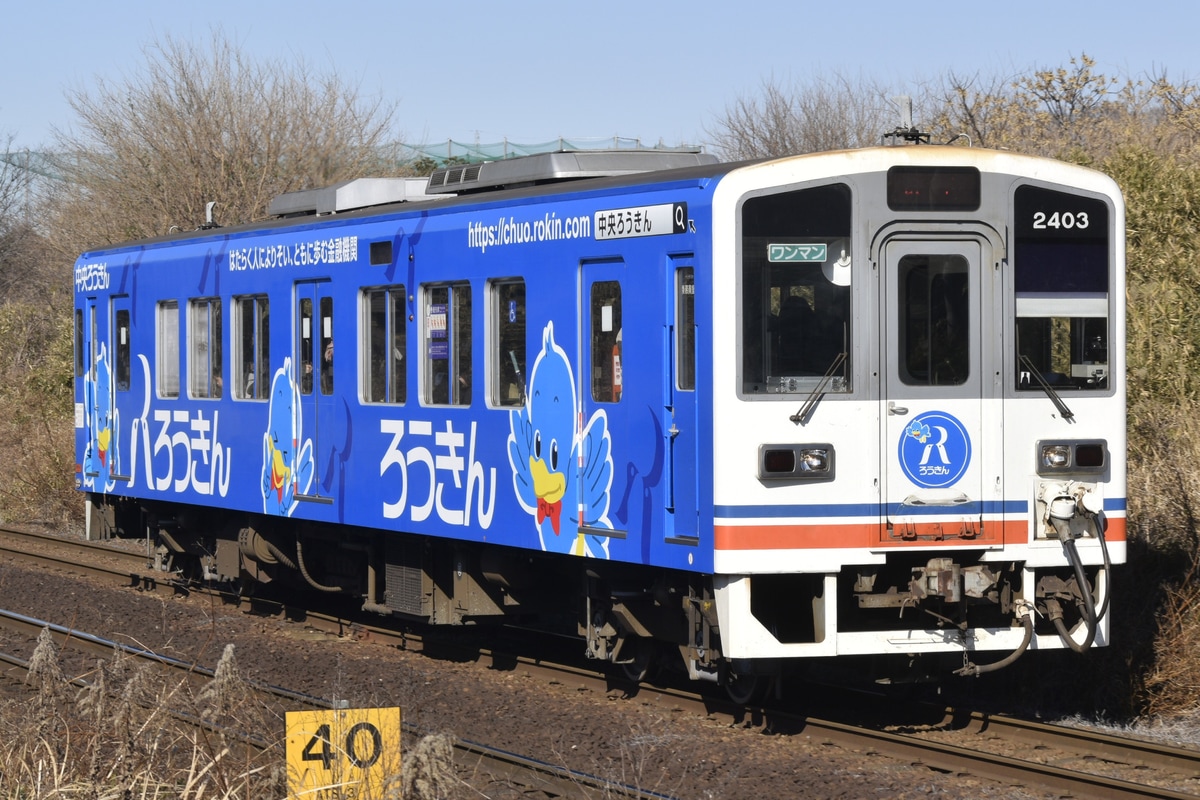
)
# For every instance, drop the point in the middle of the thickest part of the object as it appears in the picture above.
(1085, 457)
(1056, 456)
(814, 460)
(808, 462)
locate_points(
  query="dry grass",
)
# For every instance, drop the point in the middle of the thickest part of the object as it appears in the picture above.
(1163, 581)
(118, 738)
(128, 735)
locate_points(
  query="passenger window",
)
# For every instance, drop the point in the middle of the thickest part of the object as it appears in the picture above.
(204, 348)
(385, 349)
(606, 341)
(252, 356)
(508, 343)
(167, 349)
(685, 329)
(795, 276)
(121, 350)
(447, 310)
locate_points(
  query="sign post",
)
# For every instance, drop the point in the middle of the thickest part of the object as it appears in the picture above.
(343, 752)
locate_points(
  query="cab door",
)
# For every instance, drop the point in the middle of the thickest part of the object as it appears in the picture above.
(942, 350)
(680, 402)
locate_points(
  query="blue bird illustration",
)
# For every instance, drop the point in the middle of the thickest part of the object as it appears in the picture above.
(561, 473)
(287, 465)
(918, 431)
(100, 462)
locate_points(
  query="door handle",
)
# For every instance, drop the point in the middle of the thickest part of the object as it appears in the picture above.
(895, 410)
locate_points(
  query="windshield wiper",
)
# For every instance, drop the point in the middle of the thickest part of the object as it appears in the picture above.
(818, 391)
(1067, 413)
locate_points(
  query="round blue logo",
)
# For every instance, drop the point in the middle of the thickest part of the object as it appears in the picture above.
(935, 450)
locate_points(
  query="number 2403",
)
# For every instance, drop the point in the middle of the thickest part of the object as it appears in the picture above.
(1060, 220)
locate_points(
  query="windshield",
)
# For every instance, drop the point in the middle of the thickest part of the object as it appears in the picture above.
(795, 276)
(1060, 267)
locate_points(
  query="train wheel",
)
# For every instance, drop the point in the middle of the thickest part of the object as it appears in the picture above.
(745, 690)
(644, 660)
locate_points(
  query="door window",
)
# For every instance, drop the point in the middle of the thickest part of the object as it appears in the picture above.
(685, 328)
(606, 341)
(935, 323)
(121, 347)
(508, 343)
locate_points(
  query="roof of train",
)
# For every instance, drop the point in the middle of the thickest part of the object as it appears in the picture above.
(565, 183)
(436, 202)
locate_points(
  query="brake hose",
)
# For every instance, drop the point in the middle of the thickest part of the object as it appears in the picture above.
(973, 669)
(1093, 616)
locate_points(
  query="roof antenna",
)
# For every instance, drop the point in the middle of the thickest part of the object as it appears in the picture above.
(905, 130)
(208, 216)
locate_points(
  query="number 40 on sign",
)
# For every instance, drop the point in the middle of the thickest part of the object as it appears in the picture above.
(343, 752)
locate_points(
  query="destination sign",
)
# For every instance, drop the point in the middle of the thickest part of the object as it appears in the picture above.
(628, 223)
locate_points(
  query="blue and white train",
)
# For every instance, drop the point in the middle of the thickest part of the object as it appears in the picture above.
(734, 416)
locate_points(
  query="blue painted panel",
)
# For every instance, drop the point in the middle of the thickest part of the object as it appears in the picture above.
(459, 471)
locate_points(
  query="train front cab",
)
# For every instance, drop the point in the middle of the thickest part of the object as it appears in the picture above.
(927, 437)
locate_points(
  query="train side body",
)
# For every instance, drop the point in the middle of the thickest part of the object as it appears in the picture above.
(448, 467)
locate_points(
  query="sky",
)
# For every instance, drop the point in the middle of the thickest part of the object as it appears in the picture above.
(534, 71)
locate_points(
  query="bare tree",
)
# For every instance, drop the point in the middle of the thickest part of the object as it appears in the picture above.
(982, 108)
(14, 182)
(1069, 111)
(19, 243)
(205, 123)
(805, 117)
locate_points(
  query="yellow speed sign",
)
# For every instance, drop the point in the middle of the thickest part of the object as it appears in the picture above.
(344, 752)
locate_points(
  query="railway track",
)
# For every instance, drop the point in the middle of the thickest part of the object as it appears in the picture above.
(527, 773)
(994, 747)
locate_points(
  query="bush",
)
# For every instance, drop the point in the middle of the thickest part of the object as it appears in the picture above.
(37, 430)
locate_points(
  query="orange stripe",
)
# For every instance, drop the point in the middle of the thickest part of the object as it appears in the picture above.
(814, 537)
(1116, 530)
(793, 537)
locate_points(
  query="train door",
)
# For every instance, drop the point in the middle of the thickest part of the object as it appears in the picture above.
(314, 369)
(124, 404)
(941, 356)
(680, 402)
(89, 368)
(602, 393)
